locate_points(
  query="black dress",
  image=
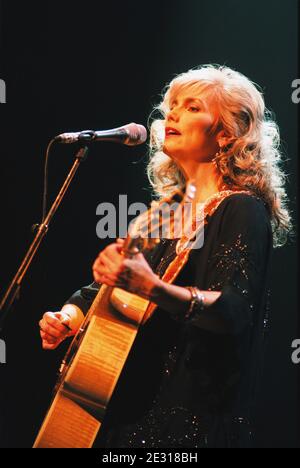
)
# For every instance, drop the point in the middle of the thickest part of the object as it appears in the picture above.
(183, 386)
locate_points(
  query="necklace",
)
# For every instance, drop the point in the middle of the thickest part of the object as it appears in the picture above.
(203, 212)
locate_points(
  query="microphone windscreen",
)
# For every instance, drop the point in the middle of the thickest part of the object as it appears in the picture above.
(137, 134)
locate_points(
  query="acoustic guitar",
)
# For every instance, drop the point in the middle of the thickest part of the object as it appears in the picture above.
(92, 366)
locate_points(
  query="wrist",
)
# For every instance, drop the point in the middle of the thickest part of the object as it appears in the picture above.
(196, 303)
(157, 289)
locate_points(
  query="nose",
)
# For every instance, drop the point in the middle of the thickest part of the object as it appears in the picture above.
(173, 115)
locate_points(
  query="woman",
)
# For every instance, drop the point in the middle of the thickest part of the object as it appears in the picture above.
(191, 377)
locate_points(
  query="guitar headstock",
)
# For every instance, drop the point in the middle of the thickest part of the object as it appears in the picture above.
(164, 220)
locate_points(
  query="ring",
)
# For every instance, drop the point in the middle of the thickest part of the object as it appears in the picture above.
(126, 273)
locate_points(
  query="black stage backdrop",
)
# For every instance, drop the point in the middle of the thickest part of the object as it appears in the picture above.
(72, 66)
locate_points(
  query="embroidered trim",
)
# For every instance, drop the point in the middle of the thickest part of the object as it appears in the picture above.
(175, 267)
(205, 211)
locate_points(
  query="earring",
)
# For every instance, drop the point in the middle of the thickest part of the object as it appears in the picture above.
(214, 160)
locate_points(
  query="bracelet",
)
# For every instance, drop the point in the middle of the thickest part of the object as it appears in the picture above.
(197, 302)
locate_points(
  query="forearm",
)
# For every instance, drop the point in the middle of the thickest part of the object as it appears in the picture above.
(176, 300)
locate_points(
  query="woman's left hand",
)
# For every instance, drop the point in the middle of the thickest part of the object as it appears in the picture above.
(132, 274)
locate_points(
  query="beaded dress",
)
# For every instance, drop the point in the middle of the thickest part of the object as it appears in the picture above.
(184, 385)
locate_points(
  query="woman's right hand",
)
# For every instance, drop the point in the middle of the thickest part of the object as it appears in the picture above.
(54, 328)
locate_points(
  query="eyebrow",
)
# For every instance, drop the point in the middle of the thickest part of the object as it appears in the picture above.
(188, 100)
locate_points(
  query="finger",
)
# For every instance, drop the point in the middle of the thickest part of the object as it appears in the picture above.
(113, 251)
(53, 321)
(53, 332)
(49, 347)
(119, 283)
(98, 263)
(103, 279)
(139, 256)
(48, 338)
(64, 320)
(99, 268)
(104, 272)
(112, 265)
(110, 259)
(120, 248)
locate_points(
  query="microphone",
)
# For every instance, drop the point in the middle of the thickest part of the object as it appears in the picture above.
(131, 134)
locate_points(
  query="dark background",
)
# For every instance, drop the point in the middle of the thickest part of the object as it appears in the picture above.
(99, 65)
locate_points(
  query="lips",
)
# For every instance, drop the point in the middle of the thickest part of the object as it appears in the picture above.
(170, 131)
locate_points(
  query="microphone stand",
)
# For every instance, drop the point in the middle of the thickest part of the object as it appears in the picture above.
(13, 290)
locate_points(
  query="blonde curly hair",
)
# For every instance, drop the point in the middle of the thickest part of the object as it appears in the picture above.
(252, 160)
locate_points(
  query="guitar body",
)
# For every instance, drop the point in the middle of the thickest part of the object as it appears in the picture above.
(91, 370)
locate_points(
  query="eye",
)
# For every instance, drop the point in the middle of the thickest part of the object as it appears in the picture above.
(194, 109)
